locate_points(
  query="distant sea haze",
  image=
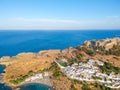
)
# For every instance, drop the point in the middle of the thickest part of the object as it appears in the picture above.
(13, 42)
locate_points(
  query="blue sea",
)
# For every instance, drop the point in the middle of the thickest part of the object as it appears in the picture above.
(17, 41)
(35, 86)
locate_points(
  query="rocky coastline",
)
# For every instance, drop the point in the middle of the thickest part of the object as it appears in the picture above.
(24, 65)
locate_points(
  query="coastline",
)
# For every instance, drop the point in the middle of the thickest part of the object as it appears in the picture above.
(5, 62)
(44, 81)
(29, 83)
(50, 55)
(15, 87)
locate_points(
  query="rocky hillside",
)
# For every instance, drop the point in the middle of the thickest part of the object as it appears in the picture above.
(106, 43)
(23, 64)
(26, 63)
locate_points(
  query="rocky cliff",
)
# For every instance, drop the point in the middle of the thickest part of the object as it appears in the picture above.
(106, 43)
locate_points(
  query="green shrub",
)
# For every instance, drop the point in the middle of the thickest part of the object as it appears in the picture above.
(73, 87)
(115, 50)
(64, 64)
(18, 81)
(85, 86)
(108, 68)
(56, 70)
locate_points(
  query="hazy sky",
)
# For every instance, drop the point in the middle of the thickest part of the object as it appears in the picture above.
(59, 14)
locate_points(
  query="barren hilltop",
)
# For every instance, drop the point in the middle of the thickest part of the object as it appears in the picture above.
(24, 65)
(106, 43)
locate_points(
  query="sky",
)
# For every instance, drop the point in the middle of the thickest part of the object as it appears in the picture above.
(59, 14)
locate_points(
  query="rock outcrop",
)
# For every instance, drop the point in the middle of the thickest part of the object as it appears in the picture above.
(106, 43)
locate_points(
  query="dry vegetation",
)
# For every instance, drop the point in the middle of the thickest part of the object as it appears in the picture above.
(28, 62)
(25, 63)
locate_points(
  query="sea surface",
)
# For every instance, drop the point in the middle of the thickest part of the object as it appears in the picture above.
(2, 68)
(35, 86)
(13, 42)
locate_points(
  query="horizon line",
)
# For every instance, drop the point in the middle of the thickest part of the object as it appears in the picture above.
(52, 29)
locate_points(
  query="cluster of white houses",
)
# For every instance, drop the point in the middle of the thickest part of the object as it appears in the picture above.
(37, 76)
(90, 72)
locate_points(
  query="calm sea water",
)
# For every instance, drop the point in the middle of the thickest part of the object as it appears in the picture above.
(2, 68)
(3, 87)
(35, 86)
(14, 42)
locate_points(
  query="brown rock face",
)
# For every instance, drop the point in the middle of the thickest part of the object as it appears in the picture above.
(106, 43)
